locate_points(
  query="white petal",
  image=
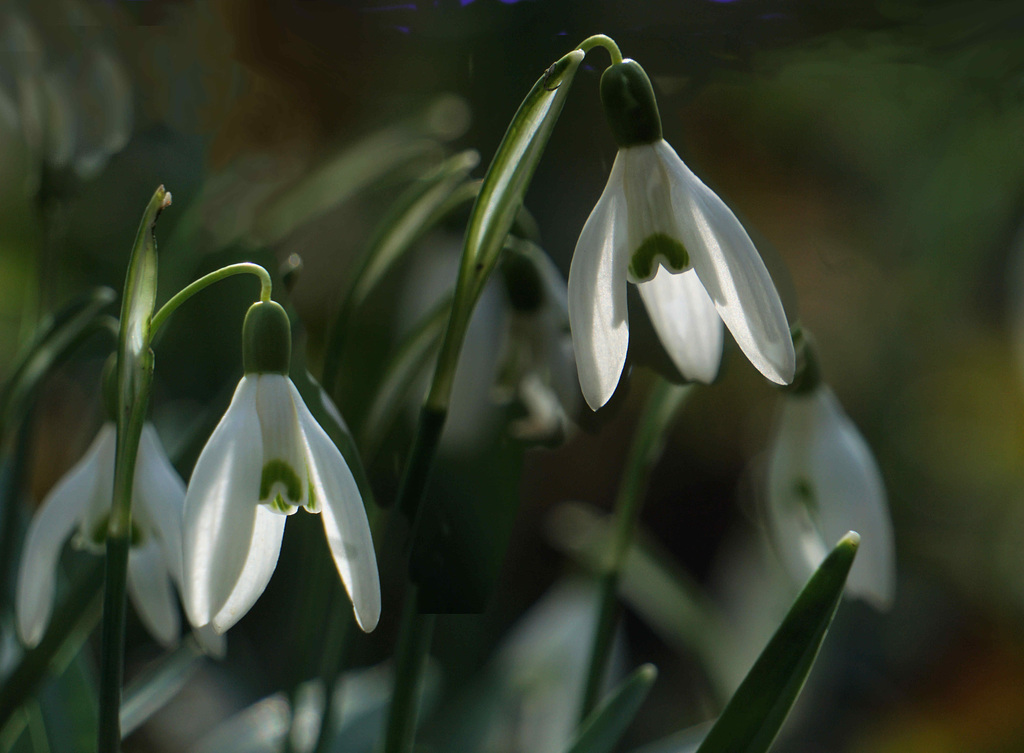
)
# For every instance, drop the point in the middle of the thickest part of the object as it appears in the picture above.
(159, 499)
(149, 585)
(819, 453)
(260, 562)
(279, 427)
(732, 272)
(348, 532)
(53, 522)
(686, 322)
(597, 294)
(93, 524)
(220, 508)
(212, 643)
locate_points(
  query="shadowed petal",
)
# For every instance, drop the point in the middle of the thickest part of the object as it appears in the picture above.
(149, 585)
(264, 548)
(732, 272)
(597, 294)
(686, 322)
(60, 512)
(159, 499)
(348, 532)
(823, 482)
(220, 508)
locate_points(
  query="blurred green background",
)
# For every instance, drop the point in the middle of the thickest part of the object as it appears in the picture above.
(875, 150)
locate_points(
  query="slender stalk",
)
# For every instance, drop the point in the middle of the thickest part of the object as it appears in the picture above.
(663, 403)
(205, 281)
(339, 636)
(601, 40)
(414, 638)
(421, 458)
(112, 640)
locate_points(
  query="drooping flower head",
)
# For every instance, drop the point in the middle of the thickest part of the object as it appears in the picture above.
(81, 502)
(267, 457)
(823, 481)
(658, 226)
(536, 365)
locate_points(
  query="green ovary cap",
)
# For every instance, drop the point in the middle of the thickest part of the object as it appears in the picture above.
(266, 339)
(629, 104)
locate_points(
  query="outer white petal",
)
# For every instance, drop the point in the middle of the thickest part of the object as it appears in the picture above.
(732, 272)
(348, 532)
(53, 522)
(149, 585)
(597, 293)
(220, 508)
(159, 499)
(264, 549)
(817, 444)
(279, 427)
(686, 322)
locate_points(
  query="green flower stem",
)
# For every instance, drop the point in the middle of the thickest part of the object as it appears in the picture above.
(601, 40)
(414, 638)
(73, 619)
(335, 653)
(662, 406)
(205, 281)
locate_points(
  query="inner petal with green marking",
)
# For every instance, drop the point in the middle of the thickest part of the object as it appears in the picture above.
(280, 486)
(656, 249)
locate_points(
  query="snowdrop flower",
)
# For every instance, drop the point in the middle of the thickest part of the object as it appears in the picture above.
(822, 482)
(81, 500)
(658, 226)
(536, 365)
(267, 457)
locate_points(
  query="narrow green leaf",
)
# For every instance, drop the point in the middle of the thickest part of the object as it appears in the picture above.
(158, 684)
(753, 717)
(356, 166)
(607, 723)
(410, 360)
(53, 341)
(419, 209)
(500, 199)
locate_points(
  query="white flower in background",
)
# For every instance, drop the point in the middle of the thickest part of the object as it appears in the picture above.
(658, 226)
(82, 500)
(537, 367)
(822, 482)
(267, 457)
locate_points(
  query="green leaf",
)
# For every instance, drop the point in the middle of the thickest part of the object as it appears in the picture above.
(400, 376)
(752, 718)
(653, 586)
(356, 166)
(607, 723)
(418, 210)
(499, 202)
(53, 341)
(158, 684)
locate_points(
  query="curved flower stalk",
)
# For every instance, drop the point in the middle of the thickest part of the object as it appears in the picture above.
(536, 366)
(822, 482)
(82, 500)
(658, 226)
(267, 457)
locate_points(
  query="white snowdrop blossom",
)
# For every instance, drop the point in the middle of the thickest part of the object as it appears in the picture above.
(822, 482)
(537, 367)
(81, 501)
(658, 226)
(267, 457)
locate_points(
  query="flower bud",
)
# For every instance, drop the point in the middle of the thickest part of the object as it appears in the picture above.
(266, 339)
(629, 104)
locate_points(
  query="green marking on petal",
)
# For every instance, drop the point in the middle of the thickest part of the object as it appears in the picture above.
(657, 249)
(312, 503)
(803, 490)
(279, 472)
